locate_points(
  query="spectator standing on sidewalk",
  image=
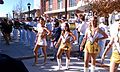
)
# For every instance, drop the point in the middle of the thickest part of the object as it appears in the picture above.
(103, 27)
(16, 30)
(82, 29)
(62, 24)
(10, 25)
(41, 40)
(65, 45)
(91, 49)
(115, 45)
(6, 30)
(55, 36)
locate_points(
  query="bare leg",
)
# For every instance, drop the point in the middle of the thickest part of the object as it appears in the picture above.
(113, 67)
(86, 61)
(59, 53)
(45, 54)
(93, 58)
(67, 59)
(36, 53)
(93, 61)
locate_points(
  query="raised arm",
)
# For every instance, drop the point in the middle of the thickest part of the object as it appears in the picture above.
(59, 40)
(73, 36)
(48, 32)
(83, 41)
(103, 33)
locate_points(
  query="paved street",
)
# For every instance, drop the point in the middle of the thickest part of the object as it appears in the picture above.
(20, 51)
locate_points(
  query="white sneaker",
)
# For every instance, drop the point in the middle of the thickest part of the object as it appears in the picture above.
(58, 68)
(66, 68)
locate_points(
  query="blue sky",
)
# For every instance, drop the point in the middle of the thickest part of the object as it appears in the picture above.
(10, 5)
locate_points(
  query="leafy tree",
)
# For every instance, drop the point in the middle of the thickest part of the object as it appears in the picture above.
(105, 7)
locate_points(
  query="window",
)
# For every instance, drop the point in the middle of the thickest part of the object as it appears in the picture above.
(72, 3)
(50, 4)
(60, 4)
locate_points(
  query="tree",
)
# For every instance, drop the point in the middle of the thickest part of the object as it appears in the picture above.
(18, 9)
(105, 7)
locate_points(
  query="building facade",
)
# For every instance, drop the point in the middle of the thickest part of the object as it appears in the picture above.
(56, 8)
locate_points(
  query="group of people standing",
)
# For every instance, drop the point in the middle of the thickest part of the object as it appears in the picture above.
(94, 42)
(61, 39)
(90, 36)
(92, 39)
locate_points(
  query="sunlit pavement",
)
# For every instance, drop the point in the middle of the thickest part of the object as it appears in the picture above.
(51, 66)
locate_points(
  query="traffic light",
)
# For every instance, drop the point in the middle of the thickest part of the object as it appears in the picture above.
(1, 2)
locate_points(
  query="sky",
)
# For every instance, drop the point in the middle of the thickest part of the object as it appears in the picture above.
(10, 5)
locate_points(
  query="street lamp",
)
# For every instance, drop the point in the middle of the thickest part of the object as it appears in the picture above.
(13, 13)
(29, 9)
(7, 16)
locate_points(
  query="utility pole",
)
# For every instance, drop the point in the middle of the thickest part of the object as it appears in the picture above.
(66, 9)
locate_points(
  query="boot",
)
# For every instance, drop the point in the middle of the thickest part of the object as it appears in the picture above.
(86, 69)
(67, 63)
(59, 63)
(92, 68)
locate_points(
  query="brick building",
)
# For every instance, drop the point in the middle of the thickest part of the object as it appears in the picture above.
(57, 8)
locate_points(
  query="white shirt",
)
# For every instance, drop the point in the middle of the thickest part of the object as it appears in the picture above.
(113, 28)
(82, 28)
(104, 28)
(63, 25)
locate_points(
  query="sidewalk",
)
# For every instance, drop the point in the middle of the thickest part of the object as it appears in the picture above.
(75, 66)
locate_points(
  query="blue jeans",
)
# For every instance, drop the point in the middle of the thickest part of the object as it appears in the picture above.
(55, 52)
(81, 53)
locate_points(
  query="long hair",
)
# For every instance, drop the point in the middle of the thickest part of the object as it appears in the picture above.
(43, 21)
(68, 28)
(95, 21)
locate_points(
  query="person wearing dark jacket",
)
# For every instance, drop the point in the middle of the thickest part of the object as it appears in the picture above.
(6, 30)
(56, 34)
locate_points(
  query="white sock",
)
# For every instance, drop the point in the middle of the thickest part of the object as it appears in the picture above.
(92, 68)
(67, 63)
(86, 69)
(59, 63)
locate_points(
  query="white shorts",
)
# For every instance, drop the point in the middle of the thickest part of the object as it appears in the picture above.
(42, 42)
